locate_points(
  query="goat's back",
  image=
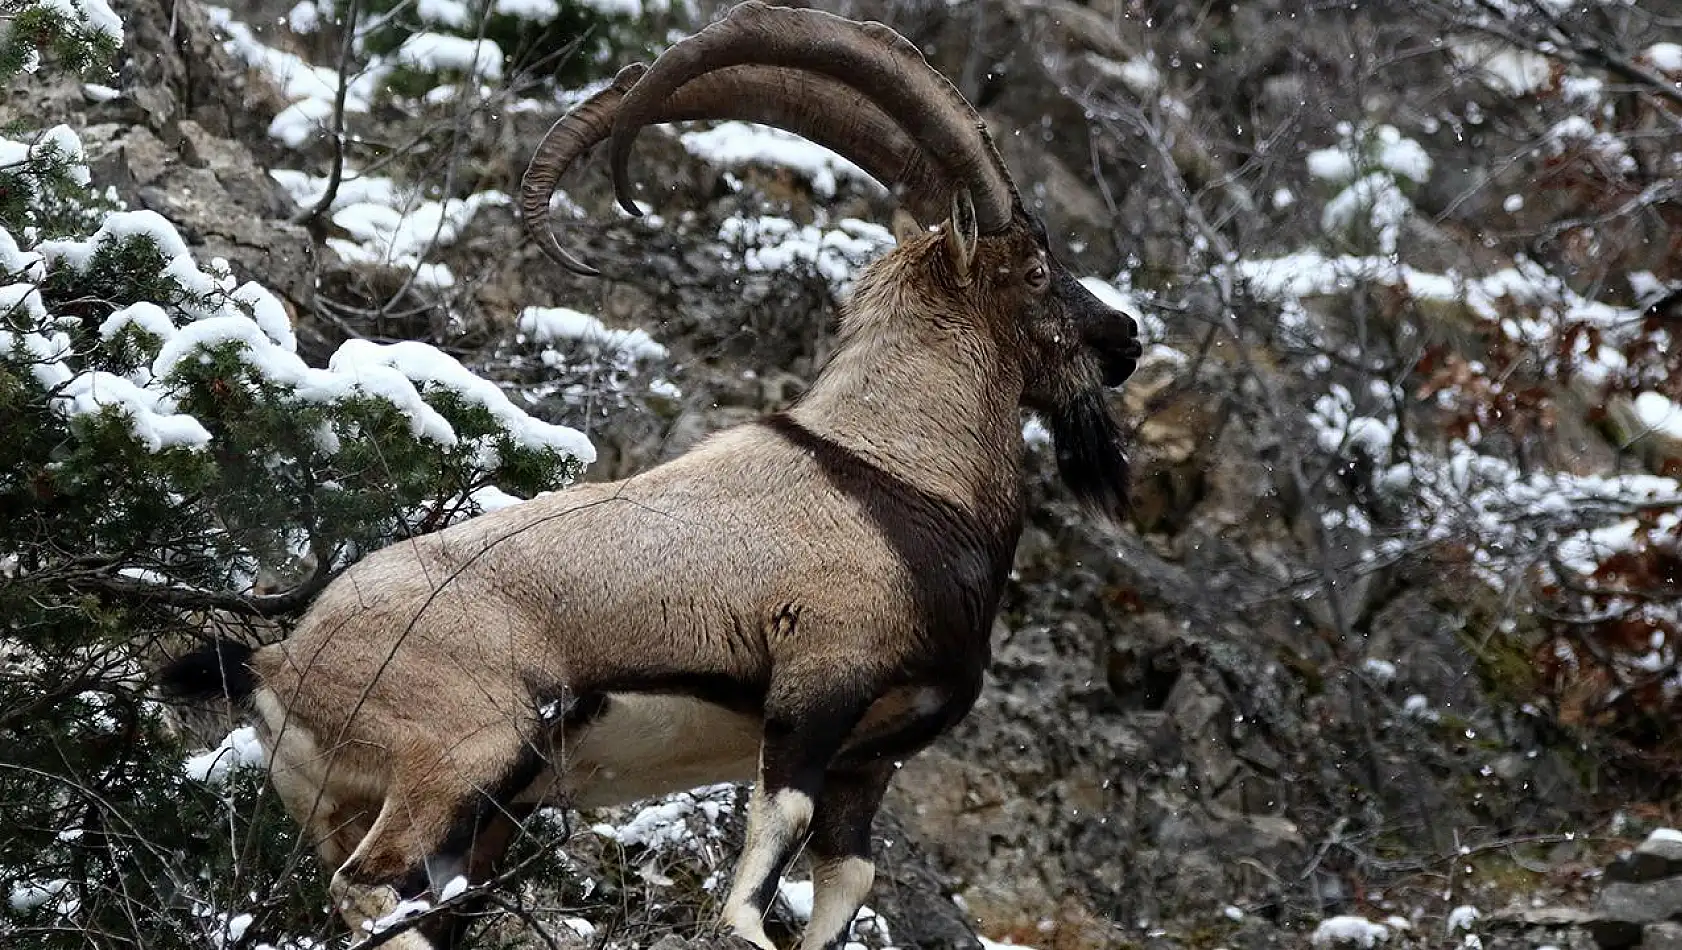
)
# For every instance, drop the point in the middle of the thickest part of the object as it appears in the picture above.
(694, 577)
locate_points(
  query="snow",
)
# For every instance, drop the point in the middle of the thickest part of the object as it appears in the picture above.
(773, 243)
(1141, 76)
(396, 373)
(1346, 929)
(94, 15)
(22, 302)
(1670, 835)
(309, 89)
(234, 930)
(1659, 414)
(298, 122)
(1402, 156)
(391, 226)
(734, 144)
(61, 141)
(1137, 74)
(537, 11)
(401, 912)
(1372, 201)
(150, 415)
(456, 887)
(1667, 57)
(28, 895)
(798, 896)
(410, 360)
(440, 52)
(492, 498)
(996, 945)
(119, 226)
(1462, 918)
(145, 316)
(269, 313)
(665, 824)
(44, 353)
(554, 324)
(240, 749)
(1502, 67)
(297, 77)
(1331, 164)
(1379, 149)
(1583, 90)
(1382, 670)
(16, 262)
(451, 13)
(1340, 427)
(305, 18)
(624, 8)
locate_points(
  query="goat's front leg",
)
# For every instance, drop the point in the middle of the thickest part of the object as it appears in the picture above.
(842, 871)
(805, 723)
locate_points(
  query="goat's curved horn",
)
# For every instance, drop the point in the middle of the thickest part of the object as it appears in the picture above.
(883, 66)
(813, 106)
(572, 135)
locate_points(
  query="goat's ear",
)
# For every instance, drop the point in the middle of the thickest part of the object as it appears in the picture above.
(905, 226)
(961, 236)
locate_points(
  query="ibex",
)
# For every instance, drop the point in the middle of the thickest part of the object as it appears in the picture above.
(799, 602)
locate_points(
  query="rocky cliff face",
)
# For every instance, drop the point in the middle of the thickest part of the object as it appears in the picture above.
(1324, 670)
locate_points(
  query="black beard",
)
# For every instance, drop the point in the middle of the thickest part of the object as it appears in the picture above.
(1089, 454)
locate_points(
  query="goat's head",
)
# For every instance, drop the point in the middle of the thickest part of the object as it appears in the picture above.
(866, 92)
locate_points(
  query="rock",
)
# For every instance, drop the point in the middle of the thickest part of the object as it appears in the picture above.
(911, 895)
(219, 198)
(1657, 857)
(1662, 936)
(1614, 934)
(1541, 917)
(1625, 907)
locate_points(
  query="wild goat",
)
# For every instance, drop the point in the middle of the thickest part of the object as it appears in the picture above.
(800, 601)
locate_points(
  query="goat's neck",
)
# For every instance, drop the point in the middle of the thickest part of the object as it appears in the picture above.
(936, 410)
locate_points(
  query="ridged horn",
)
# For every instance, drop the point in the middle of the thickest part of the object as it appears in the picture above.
(882, 66)
(811, 105)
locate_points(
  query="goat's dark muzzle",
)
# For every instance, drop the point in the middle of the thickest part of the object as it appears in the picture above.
(1112, 335)
(1116, 341)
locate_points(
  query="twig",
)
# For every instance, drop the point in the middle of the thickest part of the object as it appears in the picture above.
(336, 175)
(196, 598)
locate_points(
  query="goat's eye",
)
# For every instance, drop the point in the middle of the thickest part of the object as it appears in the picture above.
(1037, 277)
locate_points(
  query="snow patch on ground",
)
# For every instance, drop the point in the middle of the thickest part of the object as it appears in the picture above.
(1462, 918)
(1502, 67)
(1666, 57)
(555, 324)
(771, 243)
(734, 144)
(1348, 930)
(390, 225)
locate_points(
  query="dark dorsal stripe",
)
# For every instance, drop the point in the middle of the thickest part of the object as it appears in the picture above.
(955, 561)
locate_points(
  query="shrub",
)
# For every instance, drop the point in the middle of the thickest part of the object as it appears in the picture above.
(167, 456)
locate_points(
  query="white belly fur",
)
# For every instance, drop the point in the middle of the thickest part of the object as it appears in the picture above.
(645, 745)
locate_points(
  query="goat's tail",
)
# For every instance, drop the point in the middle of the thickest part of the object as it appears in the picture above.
(220, 669)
